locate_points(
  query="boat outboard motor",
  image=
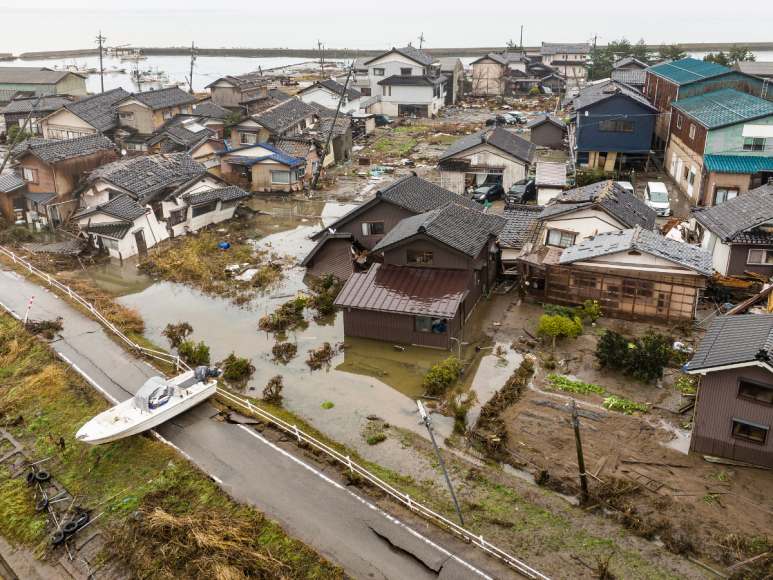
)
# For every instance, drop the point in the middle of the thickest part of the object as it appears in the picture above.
(204, 372)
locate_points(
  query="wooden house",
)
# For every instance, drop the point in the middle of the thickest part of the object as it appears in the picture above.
(262, 167)
(12, 189)
(570, 59)
(17, 111)
(301, 147)
(36, 80)
(286, 119)
(328, 93)
(236, 92)
(181, 133)
(718, 145)
(436, 266)
(547, 131)
(490, 72)
(521, 228)
(93, 114)
(761, 69)
(734, 403)
(492, 155)
(630, 71)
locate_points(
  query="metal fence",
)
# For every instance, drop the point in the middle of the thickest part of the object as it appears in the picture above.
(156, 354)
(403, 498)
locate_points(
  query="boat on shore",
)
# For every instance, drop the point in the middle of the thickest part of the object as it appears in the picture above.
(157, 401)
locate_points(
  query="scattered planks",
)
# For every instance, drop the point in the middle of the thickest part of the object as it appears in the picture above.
(723, 461)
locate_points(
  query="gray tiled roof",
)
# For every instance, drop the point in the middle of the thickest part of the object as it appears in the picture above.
(188, 133)
(629, 76)
(608, 195)
(116, 230)
(55, 150)
(410, 52)
(519, 228)
(503, 57)
(36, 75)
(736, 339)
(294, 147)
(565, 48)
(245, 81)
(164, 98)
(144, 176)
(413, 80)
(11, 182)
(336, 88)
(283, 116)
(730, 220)
(724, 107)
(122, 207)
(606, 244)
(459, 227)
(628, 61)
(606, 90)
(47, 104)
(547, 118)
(170, 146)
(210, 110)
(419, 195)
(448, 64)
(756, 68)
(100, 110)
(325, 126)
(222, 193)
(497, 137)
(41, 197)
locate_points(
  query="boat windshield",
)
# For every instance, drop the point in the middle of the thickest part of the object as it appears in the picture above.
(153, 394)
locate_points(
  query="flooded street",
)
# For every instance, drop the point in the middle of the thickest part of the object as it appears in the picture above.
(368, 378)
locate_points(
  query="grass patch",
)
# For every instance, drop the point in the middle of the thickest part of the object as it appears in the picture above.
(621, 405)
(686, 384)
(327, 405)
(18, 519)
(564, 384)
(376, 438)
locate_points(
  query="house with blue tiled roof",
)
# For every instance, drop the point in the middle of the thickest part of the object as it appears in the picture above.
(720, 145)
(263, 167)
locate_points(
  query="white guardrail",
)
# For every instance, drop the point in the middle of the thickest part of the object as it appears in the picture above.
(157, 354)
(302, 437)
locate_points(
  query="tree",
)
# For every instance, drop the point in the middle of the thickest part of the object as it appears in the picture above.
(720, 58)
(603, 57)
(735, 54)
(230, 120)
(512, 46)
(557, 326)
(15, 130)
(671, 51)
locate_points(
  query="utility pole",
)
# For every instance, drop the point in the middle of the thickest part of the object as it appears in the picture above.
(193, 58)
(425, 417)
(521, 37)
(593, 62)
(100, 40)
(421, 40)
(23, 127)
(321, 59)
(580, 459)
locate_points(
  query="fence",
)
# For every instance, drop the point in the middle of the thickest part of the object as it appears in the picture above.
(156, 354)
(403, 498)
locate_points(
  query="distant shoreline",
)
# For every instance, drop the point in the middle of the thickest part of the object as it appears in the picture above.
(342, 53)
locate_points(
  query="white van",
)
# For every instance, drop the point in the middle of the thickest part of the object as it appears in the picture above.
(656, 196)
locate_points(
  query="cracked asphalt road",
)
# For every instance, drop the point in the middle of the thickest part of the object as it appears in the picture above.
(314, 507)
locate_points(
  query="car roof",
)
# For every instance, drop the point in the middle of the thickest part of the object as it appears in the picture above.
(626, 184)
(657, 186)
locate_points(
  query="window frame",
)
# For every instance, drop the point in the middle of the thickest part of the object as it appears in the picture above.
(728, 191)
(178, 216)
(203, 209)
(126, 116)
(406, 74)
(33, 172)
(764, 263)
(561, 234)
(432, 319)
(753, 383)
(243, 134)
(617, 126)
(228, 204)
(679, 121)
(750, 425)
(692, 131)
(379, 72)
(13, 204)
(166, 115)
(424, 263)
(753, 146)
(185, 110)
(279, 172)
(383, 228)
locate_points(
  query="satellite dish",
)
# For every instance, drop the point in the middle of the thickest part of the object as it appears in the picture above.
(123, 151)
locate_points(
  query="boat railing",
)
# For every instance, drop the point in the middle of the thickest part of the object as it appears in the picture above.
(403, 498)
(52, 281)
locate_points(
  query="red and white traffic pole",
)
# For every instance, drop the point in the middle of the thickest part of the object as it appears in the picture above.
(28, 310)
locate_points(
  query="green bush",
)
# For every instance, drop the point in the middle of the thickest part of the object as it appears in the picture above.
(592, 176)
(327, 405)
(643, 359)
(564, 384)
(612, 350)
(534, 92)
(442, 376)
(194, 354)
(375, 439)
(176, 334)
(553, 310)
(558, 326)
(15, 130)
(621, 405)
(235, 368)
(592, 310)
(460, 407)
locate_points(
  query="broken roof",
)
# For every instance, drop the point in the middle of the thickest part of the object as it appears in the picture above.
(565, 48)
(692, 257)
(688, 70)
(271, 152)
(414, 54)
(608, 195)
(116, 230)
(606, 90)
(284, 116)
(456, 226)
(333, 87)
(413, 291)
(100, 110)
(164, 98)
(55, 150)
(210, 110)
(293, 146)
(41, 197)
(732, 220)
(229, 193)
(122, 207)
(724, 107)
(47, 104)
(735, 340)
(521, 227)
(449, 63)
(245, 81)
(497, 137)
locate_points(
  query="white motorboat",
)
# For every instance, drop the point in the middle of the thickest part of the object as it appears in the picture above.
(158, 400)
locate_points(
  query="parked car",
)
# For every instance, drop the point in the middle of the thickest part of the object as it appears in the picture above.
(520, 192)
(382, 120)
(656, 196)
(488, 193)
(519, 117)
(506, 119)
(627, 185)
(545, 90)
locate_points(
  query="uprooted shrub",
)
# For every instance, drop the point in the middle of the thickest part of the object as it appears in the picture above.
(284, 352)
(322, 356)
(236, 368)
(460, 404)
(194, 354)
(178, 333)
(272, 394)
(442, 376)
(289, 315)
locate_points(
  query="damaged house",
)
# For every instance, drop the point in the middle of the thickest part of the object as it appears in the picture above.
(492, 155)
(12, 189)
(15, 113)
(285, 119)
(262, 167)
(93, 114)
(328, 92)
(436, 266)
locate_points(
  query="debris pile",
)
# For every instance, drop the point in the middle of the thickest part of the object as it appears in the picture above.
(272, 394)
(322, 355)
(284, 352)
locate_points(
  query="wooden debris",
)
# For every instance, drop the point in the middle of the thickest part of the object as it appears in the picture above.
(735, 567)
(723, 461)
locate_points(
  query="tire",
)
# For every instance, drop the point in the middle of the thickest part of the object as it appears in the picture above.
(57, 538)
(82, 519)
(42, 475)
(30, 478)
(41, 505)
(69, 526)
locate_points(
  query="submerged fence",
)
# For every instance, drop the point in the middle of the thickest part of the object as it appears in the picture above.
(156, 354)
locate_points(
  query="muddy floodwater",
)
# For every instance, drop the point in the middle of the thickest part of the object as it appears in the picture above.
(368, 378)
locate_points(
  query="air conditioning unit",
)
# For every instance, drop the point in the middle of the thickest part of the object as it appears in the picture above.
(32, 216)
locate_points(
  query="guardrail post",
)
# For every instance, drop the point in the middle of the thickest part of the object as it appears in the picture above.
(249, 406)
(14, 257)
(408, 499)
(298, 435)
(49, 279)
(69, 292)
(349, 463)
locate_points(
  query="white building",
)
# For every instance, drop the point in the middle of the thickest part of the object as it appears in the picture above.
(327, 93)
(569, 58)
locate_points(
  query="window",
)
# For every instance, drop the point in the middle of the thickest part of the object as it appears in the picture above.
(657, 98)
(54, 134)
(373, 229)
(185, 110)
(228, 204)
(386, 91)
(692, 177)
(18, 204)
(405, 71)
(692, 131)
(136, 147)
(301, 171)
(617, 126)
(429, 324)
(420, 257)
(723, 194)
(756, 391)
(679, 121)
(108, 243)
(257, 95)
(560, 239)
(126, 116)
(178, 216)
(111, 195)
(476, 277)
(686, 172)
(202, 209)
(754, 144)
(280, 177)
(760, 257)
(166, 115)
(28, 174)
(365, 91)
(248, 138)
(749, 431)
(379, 72)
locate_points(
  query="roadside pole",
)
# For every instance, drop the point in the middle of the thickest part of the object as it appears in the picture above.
(26, 315)
(580, 459)
(425, 417)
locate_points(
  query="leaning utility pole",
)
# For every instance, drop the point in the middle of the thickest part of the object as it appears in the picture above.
(321, 59)
(580, 458)
(421, 40)
(100, 40)
(193, 58)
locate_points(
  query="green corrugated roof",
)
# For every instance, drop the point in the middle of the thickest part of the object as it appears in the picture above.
(688, 70)
(737, 163)
(724, 107)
